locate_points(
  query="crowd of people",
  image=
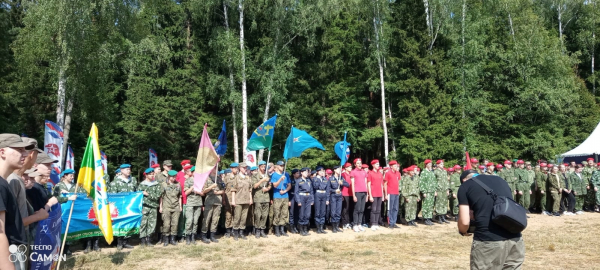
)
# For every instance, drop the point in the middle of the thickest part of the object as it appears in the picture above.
(266, 199)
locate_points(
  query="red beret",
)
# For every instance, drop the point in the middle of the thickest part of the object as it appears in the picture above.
(598, 164)
(365, 166)
(357, 159)
(507, 162)
(474, 160)
(566, 164)
(490, 164)
(550, 165)
(439, 161)
(520, 161)
(328, 171)
(347, 165)
(405, 170)
(481, 167)
(187, 161)
(155, 166)
(457, 166)
(187, 167)
(386, 168)
(374, 161)
(418, 169)
(499, 166)
(451, 169)
(543, 165)
(427, 161)
(393, 162)
(592, 159)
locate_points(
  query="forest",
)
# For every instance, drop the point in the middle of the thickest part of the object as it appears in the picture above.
(406, 79)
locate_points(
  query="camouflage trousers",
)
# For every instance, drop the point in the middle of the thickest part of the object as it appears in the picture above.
(540, 201)
(149, 217)
(239, 216)
(427, 205)
(261, 212)
(524, 198)
(532, 197)
(555, 201)
(441, 203)
(410, 207)
(170, 221)
(228, 216)
(192, 214)
(593, 197)
(280, 212)
(453, 204)
(579, 200)
(211, 218)
(270, 219)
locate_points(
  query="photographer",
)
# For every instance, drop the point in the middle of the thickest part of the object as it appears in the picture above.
(493, 246)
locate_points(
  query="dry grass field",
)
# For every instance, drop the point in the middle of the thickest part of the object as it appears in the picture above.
(551, 243)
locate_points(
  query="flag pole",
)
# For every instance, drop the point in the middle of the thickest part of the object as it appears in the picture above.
(268, 158)
(62, 248)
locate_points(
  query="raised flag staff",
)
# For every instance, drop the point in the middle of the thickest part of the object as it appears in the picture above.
(262, 137)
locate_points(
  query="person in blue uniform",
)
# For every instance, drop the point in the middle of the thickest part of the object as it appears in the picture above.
(294, 209)
(304, 200)
(321, 186)
(336, 182)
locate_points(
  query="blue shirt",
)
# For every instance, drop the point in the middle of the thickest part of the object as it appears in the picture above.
(282, 185)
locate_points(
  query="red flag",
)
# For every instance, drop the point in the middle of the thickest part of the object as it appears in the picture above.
(468, 167)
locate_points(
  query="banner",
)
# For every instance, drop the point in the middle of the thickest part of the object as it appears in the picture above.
(298, 141)
(69, 164)
(221, 143)
(251, 158)
(153, 157)
(206, 161)
(53, 143)
(125, 210)
(342, 149)
(104, 163)
(47, 236)
(262, 137)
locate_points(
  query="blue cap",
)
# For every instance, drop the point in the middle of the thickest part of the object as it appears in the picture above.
(118, 170)
(295, 171)
(234, 165)
(304, 169)
(253, 168)
(262, 162)
(149, 170)
(172, 173)
(280, 163)
(125, 166)
(227, 171)
(319, 168)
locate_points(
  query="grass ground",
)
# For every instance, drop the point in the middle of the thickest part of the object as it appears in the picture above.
(551, 243)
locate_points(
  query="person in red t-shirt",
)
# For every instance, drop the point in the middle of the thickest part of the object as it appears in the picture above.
(358, 178)
(391, 190)
(375, 186)
(347, 204)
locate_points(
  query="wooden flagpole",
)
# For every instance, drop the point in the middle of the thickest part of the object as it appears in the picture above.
(64, 241)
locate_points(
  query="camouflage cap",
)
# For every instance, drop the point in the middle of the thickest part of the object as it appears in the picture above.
(584, 162)
(43, 158)
(34, 142)
(167, 163)
(13, 140)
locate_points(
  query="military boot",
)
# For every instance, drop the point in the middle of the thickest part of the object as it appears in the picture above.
(242, 235)
(119, 243)
(142, 241)
(193, 239)
(173, 241)
(96, 246)
(188, 239)
(282, 228)
(294, 229)
(88, 246)
(228, 232)
(165, 240)
(444, 219)
(277, 233)
(160, 238)
(205, 239)
(126, 244)
(334, 227)
(262, 233)
(257, 233)
(439, 219)
(212, 237)
(148, 241)
(235, 234)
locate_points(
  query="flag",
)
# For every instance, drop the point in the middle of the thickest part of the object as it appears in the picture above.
(262, 137)
(91, 178)
(221, 144)
(53, 143)
(297, 142)
(469, 166)
(342, 149)
(104, 163)
(70, 163)
(153, 157)
(48, 236)
(206, 161)
(251, 158)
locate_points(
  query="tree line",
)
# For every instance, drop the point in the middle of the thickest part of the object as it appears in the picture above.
(407, 79)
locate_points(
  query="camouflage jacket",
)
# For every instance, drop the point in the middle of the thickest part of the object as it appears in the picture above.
(555, 182)
(258, 194)
(587, 173)
(212, 198)
(427, 183)
(410, 186)
(579, 184)
(595, 179)
(454, 183)
(193, 199)
(58, 191)
(510, 176)
(154, 191)
(119, 185)
(162, 177)
(171, 195)
(540, 180)
(441, 177)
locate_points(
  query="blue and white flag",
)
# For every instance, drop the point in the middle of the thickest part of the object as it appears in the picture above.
(297, 142)
(46, 245)
(53, 143)
(342, 150)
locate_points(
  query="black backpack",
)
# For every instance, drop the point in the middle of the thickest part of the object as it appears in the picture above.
(506, 213)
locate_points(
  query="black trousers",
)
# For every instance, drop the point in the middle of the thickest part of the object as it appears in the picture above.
(375, 210)
(347, 208)
(570, 201)
(359, 207)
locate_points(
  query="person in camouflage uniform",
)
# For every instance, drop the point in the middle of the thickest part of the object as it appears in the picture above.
(410, 192)
(530, 187)
(241, 194)
(152, 192)
(229, 185)
(441, 201)
(65, 186)
(454, 185)
(540, 189)
(595, 183)
(261, 185)
(124, 182)
(587, 175)
(490, 168)
(193, 209)
(427, 187)
(522, 196)
(555, 186)
(510, 177)
(161, 176)
(170, 208)
(212, 207)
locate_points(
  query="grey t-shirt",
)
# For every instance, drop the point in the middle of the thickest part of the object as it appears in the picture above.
(18, 187)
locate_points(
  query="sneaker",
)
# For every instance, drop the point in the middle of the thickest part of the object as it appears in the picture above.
(355, 228)
(361, 228)
(579, 212)
(546, 213)
(373, 228)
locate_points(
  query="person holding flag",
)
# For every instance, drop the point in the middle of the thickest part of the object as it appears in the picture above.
(124, 182)
(212, 207)
(65, 186)
(261, 185)
(281, 185)
(152, 192)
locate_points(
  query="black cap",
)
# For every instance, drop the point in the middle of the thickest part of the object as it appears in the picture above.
(466, 173)
(295, 171)
(304, 169)
(336, 167)
(319, 168)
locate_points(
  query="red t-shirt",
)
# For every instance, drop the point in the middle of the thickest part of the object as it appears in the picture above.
(181, 180)
(347, 191)
(376, 180)
(393, 180)
(360, 180)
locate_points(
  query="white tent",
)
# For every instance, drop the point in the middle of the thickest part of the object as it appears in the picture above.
(589, 147)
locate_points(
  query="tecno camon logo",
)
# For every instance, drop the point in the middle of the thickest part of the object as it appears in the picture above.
(17, 253)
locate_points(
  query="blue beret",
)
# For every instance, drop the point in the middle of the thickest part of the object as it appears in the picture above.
(118, 170)
(253, 168)
(262, 162)
(68, 171)
(227, 171)
(319, 168)
(125, 166)
(149, 170)
(172, 173)
(234, 165)
(193, 169)
(221, 172)
(280, 163)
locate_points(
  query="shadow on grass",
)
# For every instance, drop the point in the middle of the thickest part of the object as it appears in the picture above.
(117, 258)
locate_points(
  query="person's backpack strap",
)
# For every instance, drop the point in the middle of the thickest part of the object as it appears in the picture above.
(485, 187)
